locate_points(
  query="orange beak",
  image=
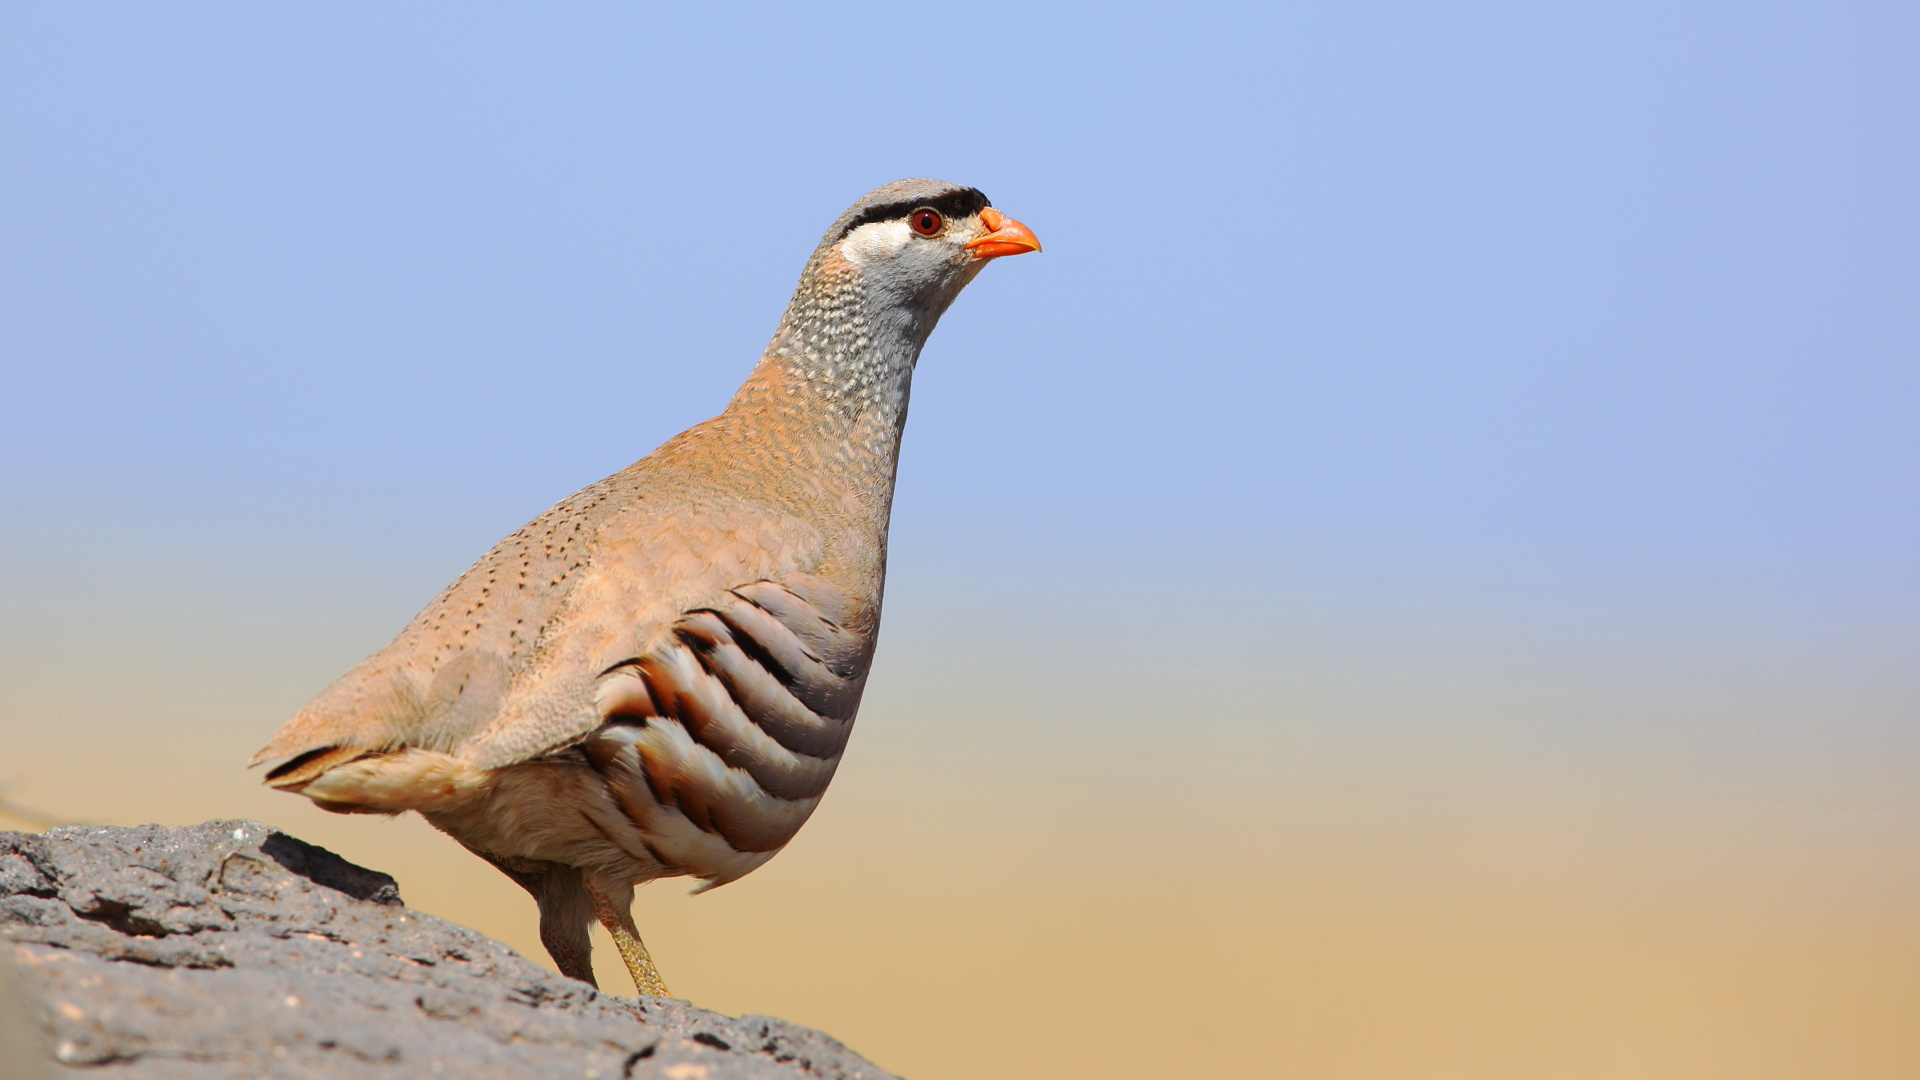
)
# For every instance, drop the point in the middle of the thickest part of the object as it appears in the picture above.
(1005, 236)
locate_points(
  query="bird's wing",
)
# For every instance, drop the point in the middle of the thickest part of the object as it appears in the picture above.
(446, 673)
(506, 664)
(650, 569)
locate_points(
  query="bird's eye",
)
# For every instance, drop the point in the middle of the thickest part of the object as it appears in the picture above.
(926, 221)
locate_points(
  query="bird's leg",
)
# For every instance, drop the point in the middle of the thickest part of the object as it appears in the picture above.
(617, 917)
(563, 924)
(565, 908)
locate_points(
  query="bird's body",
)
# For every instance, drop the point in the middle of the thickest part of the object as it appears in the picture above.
(657, 676)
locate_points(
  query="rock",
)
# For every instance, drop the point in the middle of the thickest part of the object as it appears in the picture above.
(229, 949)
(20, 1056)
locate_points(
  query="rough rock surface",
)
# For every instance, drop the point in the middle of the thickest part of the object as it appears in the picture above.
(231, 949)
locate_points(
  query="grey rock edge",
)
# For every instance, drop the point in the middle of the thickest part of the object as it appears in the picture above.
(230, 949)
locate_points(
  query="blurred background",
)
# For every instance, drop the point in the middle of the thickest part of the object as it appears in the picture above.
(1418, 580)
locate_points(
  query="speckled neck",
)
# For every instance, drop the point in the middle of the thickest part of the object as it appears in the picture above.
(832, 388)
(854, 351)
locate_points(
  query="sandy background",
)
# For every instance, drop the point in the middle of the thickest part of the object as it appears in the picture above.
(1416, 581)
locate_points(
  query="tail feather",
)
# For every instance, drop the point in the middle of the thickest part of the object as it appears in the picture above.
(350, 780)
(412, 779)
(302, 769)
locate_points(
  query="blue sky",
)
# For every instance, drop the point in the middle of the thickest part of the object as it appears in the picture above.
(1602, 294)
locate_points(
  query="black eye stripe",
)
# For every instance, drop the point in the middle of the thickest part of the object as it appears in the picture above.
(951, 204)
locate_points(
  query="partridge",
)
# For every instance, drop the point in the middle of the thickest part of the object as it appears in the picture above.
(657, 676)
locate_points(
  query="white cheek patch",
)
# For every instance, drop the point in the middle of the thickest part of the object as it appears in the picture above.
(875, 242)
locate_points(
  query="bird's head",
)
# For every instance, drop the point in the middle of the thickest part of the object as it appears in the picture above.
(912, 245)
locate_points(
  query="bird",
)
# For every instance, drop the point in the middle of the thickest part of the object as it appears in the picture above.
(657, 676)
